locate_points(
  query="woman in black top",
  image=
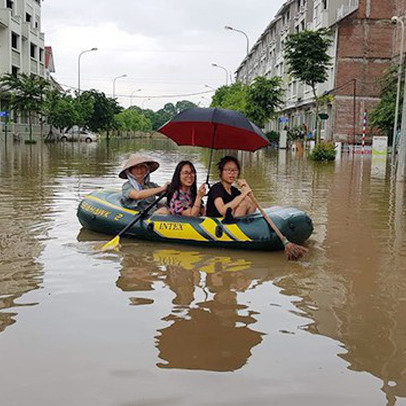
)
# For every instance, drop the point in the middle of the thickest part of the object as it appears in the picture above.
(224, 195)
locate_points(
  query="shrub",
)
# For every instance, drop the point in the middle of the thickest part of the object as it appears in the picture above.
(324, 152)
(272, 136)
(295, 133)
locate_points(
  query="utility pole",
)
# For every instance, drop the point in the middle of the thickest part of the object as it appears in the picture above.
(400, 173)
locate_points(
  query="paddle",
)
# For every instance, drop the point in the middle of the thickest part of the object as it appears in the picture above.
(293, 251)
(114, 243)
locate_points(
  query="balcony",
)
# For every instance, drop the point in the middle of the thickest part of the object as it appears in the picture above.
(16, 19)
(349, 7)
(4, 17)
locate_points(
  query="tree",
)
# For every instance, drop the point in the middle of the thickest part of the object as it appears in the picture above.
(103, 112)
(306, 54)
(131, 120)
(383, 116)
(233, 97)
(61, 110)
(263, 98)
(27, 94)
(164, 114)
(258, 101)
(183, 105)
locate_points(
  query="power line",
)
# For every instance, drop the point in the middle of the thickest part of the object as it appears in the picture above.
(152, 97)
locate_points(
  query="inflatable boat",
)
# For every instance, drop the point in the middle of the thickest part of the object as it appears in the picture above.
(102, 211)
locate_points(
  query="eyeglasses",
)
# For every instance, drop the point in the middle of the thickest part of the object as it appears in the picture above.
(187, 173)
(231, 170)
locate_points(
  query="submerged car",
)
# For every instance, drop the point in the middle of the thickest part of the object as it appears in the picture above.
(84, 135)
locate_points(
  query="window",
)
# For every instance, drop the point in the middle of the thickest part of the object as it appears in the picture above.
(14, 40)
(9, 4)
(33, 50)
(324, 4)
(14, 70)
(41, 55)
(28, 18)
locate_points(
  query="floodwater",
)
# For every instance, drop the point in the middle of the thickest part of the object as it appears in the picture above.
(173, 325)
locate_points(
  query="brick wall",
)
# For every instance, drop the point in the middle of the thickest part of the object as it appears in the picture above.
(365, 48)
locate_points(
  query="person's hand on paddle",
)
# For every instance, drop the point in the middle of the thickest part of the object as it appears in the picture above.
(293, 251)
(245, 189)
(164, 188)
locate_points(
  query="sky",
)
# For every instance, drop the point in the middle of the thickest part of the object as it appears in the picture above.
(165, 47)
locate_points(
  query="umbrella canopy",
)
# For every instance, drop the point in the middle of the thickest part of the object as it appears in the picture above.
(214, 128)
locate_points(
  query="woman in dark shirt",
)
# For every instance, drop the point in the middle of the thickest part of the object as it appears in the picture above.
(224, 195)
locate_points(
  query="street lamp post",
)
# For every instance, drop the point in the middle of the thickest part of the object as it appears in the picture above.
(225, 70)
(227, 27)
(83, 52)
(131, 96)
(114, 83)
(396, 20)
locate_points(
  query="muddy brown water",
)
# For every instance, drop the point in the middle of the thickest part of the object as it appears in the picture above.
(158, 324)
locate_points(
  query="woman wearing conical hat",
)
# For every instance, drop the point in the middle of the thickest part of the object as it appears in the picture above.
(139, 192)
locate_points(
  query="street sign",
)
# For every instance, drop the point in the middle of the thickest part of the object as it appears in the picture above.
(283, 119)
(323, 116)
(4, 113)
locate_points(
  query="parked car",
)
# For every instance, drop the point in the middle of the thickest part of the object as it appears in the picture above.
(85, 136)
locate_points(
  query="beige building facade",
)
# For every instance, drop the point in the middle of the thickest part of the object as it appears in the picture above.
(22, 48)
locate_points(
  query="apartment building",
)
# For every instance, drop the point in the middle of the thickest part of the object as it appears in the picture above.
(22, 47)
(363, 46)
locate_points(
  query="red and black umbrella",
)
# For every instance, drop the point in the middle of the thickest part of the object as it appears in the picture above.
(214, 128)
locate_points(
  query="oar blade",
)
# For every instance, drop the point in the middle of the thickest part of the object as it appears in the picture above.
(114, 244)
(295, 252)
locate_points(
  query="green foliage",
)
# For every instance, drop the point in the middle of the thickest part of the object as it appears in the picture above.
(101, 117)
(306, 54)
(183, 105)
(295, 133)
(163, 115)
(323, 152)
(258, 101)
(383, 116)
(27, 94)
(61, 110)
(131, 120)
(272, 136)
(263, 98)
(233, 97)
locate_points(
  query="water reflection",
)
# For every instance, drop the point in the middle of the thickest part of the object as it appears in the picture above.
(24, 222)
(209, 327)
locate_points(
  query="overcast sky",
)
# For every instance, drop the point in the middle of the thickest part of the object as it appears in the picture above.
(165, 47)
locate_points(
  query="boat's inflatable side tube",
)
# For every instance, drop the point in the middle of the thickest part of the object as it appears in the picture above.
(102, 212)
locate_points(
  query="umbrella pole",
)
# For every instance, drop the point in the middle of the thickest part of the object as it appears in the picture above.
(211, 153)
(208, 170)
